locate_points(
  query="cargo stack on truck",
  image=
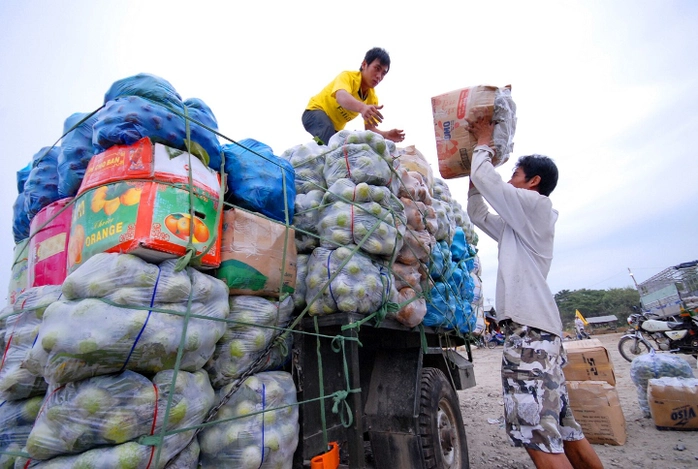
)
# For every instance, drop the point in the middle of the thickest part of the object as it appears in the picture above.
(182, 299)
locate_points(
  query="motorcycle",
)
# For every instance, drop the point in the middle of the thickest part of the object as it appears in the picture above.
(670, 335)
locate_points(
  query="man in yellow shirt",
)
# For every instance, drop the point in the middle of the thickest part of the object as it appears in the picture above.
(351, 93)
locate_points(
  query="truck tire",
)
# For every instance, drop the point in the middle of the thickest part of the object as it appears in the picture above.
(632, 346)
(440, 423)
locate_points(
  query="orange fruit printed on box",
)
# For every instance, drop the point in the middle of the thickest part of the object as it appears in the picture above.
(150, 219)
(147, 160)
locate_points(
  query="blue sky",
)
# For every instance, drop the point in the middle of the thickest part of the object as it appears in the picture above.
(607, 89)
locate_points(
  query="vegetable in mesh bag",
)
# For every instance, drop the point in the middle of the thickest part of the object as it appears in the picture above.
(267, 439)
(41, 187)
(22, 322)
(361, 156)
(445, 225)
(359, 286)
(440, 261)
(86, 337)
(75, 153)
(656, 365)
(342, 223)
(188, 458)
(16, 421)
(145, 85)
(308, 161)
(416, 247)
(412, 310)
(409, 275)
(298, 294)
(441, 307)
(305, 220)
(252, 325)
(115, 409)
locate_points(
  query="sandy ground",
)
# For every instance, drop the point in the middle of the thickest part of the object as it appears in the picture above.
(646, 447)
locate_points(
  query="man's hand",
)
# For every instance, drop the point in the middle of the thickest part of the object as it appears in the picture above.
(482, 129)
(395, 135)
(371, 114)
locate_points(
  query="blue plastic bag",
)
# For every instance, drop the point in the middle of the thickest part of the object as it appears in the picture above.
(22, 176)
(20, 220)
(256, 180)
(41, 187)
(459, 246)
(147, 86)
(75, 153)
(124, 121)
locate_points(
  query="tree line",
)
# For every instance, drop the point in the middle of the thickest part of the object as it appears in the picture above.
(593, 303)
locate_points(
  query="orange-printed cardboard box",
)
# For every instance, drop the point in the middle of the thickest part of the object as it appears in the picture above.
(588, 360)
(454, 144)
(136, 199)
(258, 256)
(48, 245)
(150, 161)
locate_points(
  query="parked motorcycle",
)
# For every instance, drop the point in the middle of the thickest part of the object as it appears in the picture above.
(675, 335)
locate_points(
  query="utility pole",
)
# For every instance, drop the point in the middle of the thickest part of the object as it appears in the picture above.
(633, 277)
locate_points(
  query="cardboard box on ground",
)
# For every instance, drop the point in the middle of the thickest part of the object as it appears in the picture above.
(673, 403)
(593, 396)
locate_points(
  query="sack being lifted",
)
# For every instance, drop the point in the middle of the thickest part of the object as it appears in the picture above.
(454, 144)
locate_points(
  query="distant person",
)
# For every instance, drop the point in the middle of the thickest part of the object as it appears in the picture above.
(536, 402)
(351, 93)
(579, 327)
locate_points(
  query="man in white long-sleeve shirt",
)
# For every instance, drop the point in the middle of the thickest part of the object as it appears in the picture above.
(536, 408)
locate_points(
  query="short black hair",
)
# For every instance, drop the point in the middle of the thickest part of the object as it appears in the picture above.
(539, 165)
(377, 53)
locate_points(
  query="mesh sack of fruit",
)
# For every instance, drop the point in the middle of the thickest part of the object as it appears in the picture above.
(656, 365)
(41, 187)
(259, 425)
(308, 161)
(75, 153)
(117, 408)
(252, 325)
(121, 313)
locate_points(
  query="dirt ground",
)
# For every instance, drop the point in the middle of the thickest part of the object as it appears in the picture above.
(646, 447)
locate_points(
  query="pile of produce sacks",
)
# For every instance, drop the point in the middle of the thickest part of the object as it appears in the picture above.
(16, 421)
(450, 300)
(145, 307)
(21, 326)
(258, 427)
(252, 324)
(410, 267)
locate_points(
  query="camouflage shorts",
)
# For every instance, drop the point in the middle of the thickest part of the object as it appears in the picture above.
(536, 408)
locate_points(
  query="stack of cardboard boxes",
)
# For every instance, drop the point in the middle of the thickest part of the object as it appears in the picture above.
(593, 397)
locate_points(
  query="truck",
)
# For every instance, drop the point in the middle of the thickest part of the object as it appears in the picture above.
(672, 291)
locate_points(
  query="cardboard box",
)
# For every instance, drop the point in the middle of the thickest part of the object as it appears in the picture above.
(19, 278)
(596, 407)
(48, 245)
(147, 218)
(258, 256)
(588, 360)
(673, 403)
(150, 161)
(454, 144)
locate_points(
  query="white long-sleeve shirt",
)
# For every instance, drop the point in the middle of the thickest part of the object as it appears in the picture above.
(524, 228)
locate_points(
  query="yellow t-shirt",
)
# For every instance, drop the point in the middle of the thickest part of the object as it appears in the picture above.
(325, 100)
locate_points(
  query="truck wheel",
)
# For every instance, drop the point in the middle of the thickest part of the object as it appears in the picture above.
(440, 423)
(631, 347)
